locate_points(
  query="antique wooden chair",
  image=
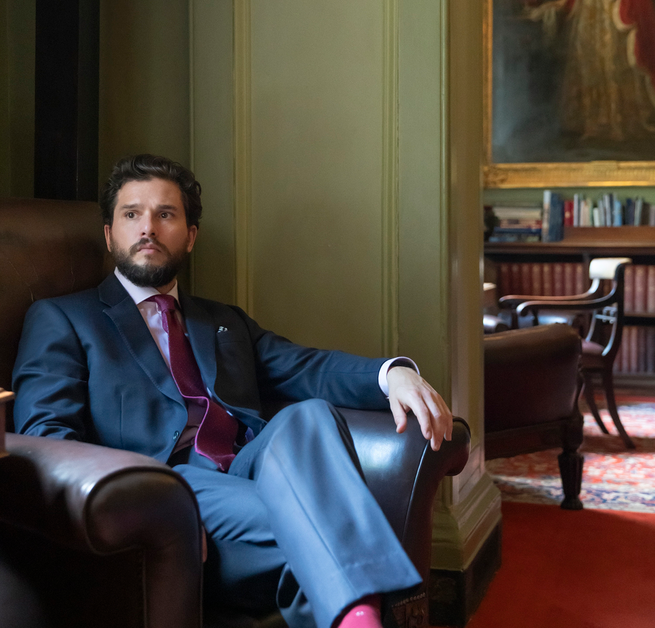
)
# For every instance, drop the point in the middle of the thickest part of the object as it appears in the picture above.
(603, 338)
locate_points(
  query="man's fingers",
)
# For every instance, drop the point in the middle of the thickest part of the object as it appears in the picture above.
(424, 418)
(408, 391)
(399, 415)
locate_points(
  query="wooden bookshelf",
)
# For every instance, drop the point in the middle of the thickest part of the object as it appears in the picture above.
(581, 245)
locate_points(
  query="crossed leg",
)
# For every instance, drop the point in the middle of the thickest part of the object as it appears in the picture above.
(293, 522)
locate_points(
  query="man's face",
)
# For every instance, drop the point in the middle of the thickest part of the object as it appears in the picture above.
(149, 238)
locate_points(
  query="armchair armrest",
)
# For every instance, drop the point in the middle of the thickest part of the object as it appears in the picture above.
(104, 501)
(565, 303)
(404, 473)
(511, 301)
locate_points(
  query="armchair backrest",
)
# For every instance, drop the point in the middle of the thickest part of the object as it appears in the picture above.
(48, 248)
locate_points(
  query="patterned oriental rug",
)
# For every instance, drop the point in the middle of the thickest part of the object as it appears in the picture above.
(613, 478)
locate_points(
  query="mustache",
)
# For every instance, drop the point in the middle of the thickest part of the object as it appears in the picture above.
(143, 241)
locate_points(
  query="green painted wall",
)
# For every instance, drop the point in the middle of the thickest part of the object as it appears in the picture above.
(535, 195)
(212, 146)
(317, 171)
(144, 80)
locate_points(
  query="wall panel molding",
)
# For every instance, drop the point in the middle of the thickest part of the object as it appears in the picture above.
(390, 201)
(211, 154)
(243, 154)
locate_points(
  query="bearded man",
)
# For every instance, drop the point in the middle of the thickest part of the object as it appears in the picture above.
(138, 364)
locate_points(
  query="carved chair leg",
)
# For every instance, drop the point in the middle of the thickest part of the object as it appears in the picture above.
(571, 463)
(591, 402)
(608, 385)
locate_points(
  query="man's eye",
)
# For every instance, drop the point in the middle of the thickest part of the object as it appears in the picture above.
(130, 215)
(165, 214)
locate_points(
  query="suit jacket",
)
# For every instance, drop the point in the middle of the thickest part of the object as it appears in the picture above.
(88, 369)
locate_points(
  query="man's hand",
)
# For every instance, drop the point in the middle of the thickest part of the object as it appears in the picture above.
(409, 391)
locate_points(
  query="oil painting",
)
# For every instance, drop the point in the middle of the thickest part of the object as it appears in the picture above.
(570, 82)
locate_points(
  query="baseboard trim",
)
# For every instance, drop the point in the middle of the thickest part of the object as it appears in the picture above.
(454, 596)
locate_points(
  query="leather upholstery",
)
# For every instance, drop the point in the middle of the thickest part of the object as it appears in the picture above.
(531, 376)
(532, 383)
(93, 536)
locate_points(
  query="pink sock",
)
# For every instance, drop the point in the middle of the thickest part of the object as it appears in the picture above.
(364, 614)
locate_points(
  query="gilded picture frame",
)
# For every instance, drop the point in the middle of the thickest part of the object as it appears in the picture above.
(557, 170)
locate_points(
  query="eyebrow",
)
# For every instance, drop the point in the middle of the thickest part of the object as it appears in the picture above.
(135, 205)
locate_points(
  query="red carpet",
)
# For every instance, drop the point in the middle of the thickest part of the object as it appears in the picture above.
(563, 569)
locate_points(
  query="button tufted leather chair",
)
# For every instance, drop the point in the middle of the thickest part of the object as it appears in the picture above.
(92, 536)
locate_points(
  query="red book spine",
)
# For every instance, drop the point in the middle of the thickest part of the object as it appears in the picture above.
(634, 350)
(505, 284)
(515, 274)
(650, 289)
(537, 279)
(641, 349)
(640, 289)
(548, 279)
(629, 290)
(625, 350)
(526, 278)
(568, 213)
(650, 349)
(558, 279)
(569, 279)
(581, 279)
(618, 360)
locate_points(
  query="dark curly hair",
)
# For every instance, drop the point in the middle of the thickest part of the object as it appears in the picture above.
(143, 168)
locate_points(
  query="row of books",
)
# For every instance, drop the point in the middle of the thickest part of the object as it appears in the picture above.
(546, 222)
(608, 211)
(637, 351)
(548, 279)
(517, 224)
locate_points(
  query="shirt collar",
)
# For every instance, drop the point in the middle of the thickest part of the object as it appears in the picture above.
(139, 293)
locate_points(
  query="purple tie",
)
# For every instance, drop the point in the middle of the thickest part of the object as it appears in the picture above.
(218, 429)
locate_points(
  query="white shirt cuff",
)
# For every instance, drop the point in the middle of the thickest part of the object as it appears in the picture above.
(384, 369)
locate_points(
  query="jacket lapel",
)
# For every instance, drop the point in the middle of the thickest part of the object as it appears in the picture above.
(201, 331)
(133, 330)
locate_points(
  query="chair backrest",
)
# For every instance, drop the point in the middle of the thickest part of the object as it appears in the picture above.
(611, 311)
(606, 267)
(48, 248)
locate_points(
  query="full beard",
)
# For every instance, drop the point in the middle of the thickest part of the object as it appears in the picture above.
(148, 275)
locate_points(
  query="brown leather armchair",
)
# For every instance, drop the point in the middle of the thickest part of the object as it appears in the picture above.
(92, 536)
(532, 382)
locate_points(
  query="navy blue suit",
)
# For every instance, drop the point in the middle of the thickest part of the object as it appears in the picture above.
(293, 520)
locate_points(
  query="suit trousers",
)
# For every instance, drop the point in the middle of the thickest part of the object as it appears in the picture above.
(293, 523)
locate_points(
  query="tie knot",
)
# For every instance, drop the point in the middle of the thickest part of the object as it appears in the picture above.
(164, 302)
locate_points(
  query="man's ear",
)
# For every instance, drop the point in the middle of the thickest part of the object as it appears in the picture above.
(193, 233)
(108, 237)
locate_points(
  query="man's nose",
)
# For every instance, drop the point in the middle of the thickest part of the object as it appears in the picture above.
(147, 226)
